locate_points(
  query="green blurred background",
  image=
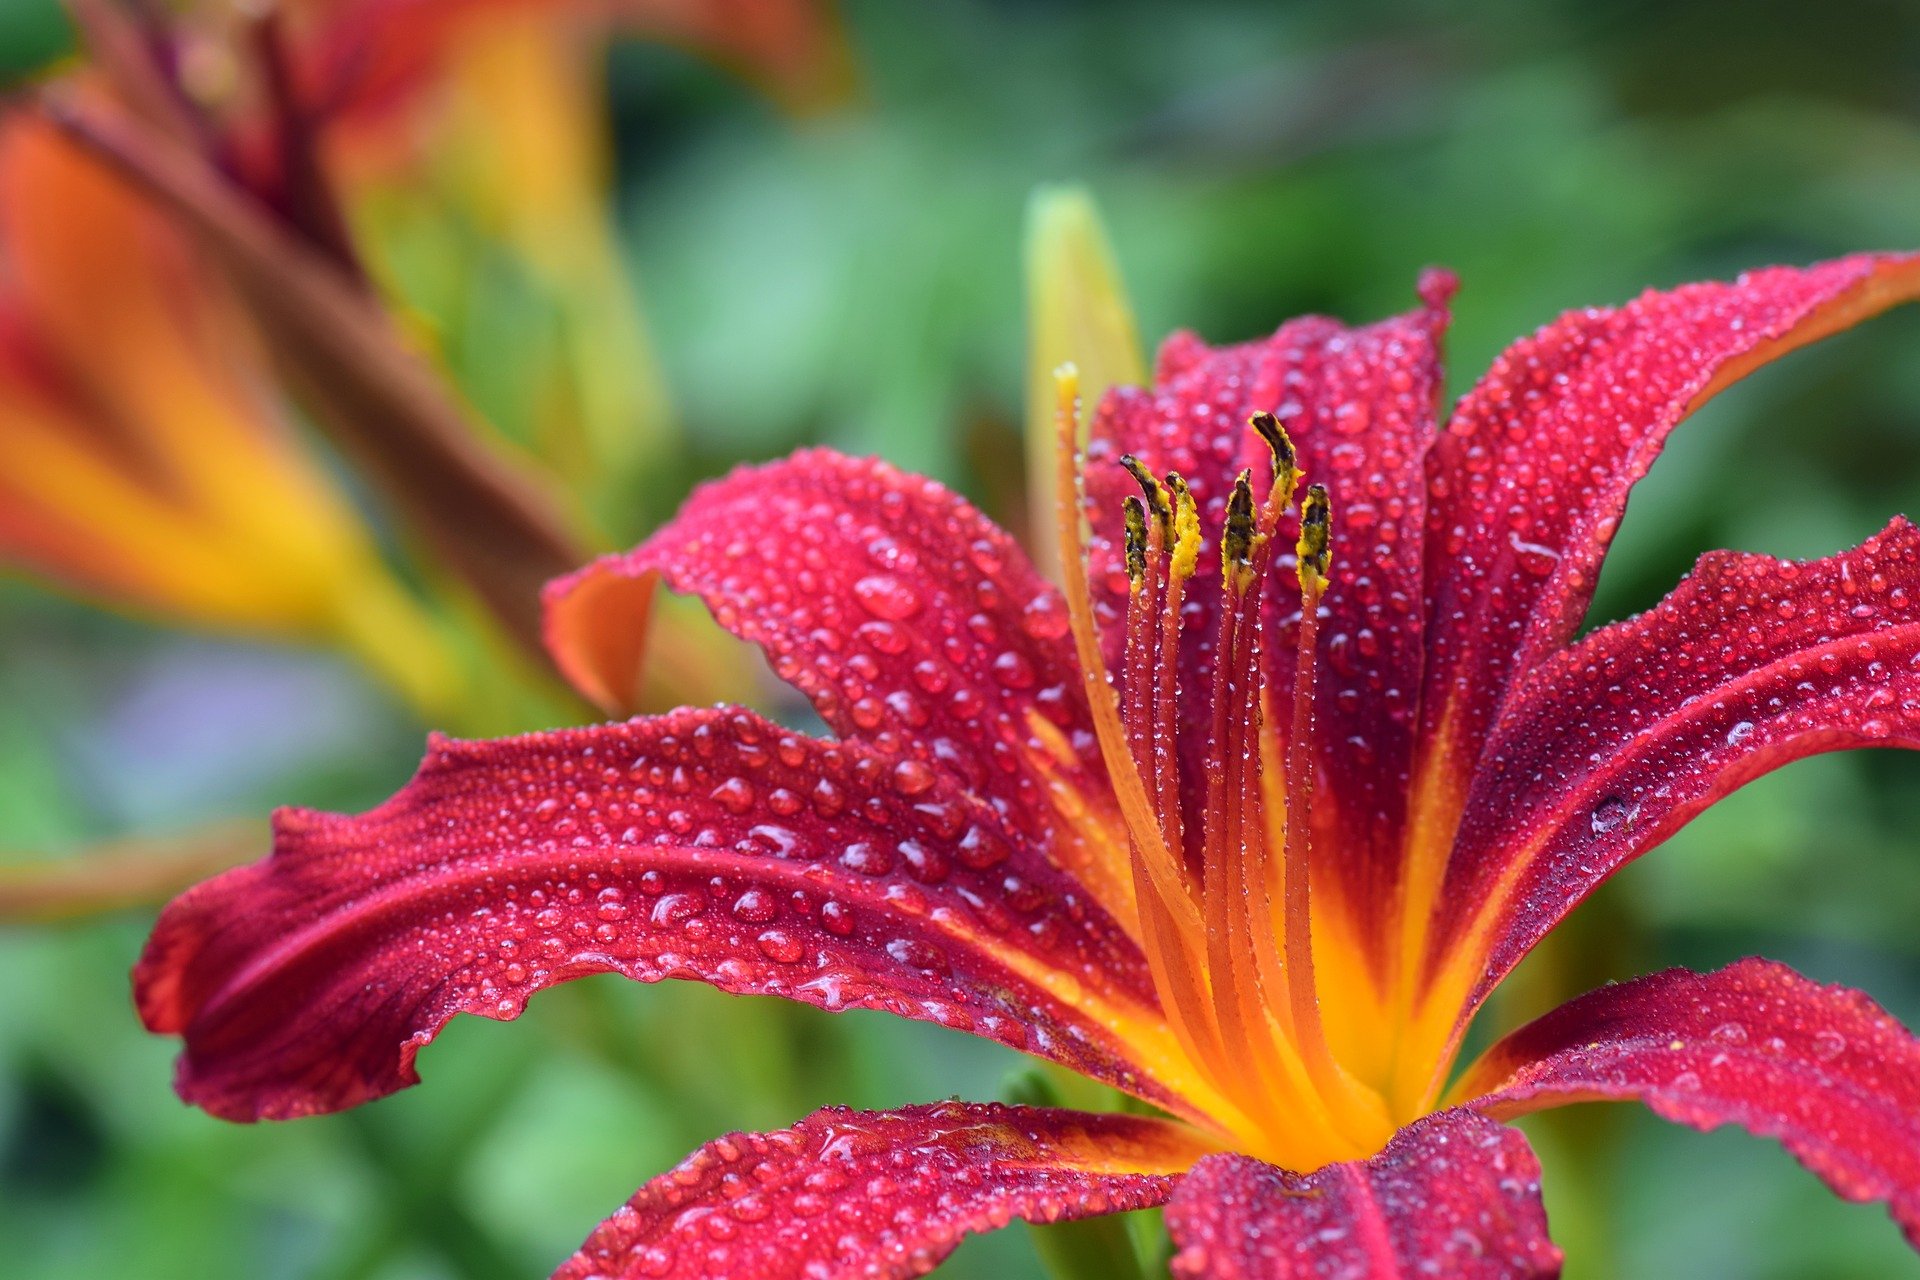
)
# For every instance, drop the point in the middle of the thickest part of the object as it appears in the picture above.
(854, 279)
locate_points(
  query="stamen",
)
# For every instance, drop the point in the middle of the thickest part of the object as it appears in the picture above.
(1183, 554)
(1228, 939)
(1186, 528)
(1248, 970)
(1316, 542)
(1236, 540)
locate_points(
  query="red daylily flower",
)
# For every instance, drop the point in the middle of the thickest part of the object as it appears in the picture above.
(1247, 834)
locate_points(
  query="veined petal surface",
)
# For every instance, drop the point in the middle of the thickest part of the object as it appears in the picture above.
(1609, 747)
(1530, 478)
(910, 619)
(710, 845)
(1823, 1069)
(1454, 1194)
(880, 1195)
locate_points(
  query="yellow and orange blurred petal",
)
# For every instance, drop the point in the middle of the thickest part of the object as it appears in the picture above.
(148, 462)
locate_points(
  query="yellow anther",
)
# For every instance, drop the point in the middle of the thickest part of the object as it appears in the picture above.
(1135, 512)
(1186, 527)
(1315, 547)
(1237, 538)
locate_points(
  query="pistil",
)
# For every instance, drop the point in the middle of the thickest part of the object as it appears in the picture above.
(1169, 922)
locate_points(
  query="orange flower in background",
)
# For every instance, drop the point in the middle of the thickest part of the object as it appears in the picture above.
(187, 261)
(149, 460)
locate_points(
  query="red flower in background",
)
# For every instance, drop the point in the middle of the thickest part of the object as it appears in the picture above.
(1246, 834)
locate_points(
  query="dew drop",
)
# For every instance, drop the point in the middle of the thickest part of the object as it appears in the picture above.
(735, 795)
(1046, 617)
(780, 946)
(1609, 815)
(867, 859)
(912, 777)
(836, 917)
(885, 596)
(755, 906)
(918, 954)
(1013, 670)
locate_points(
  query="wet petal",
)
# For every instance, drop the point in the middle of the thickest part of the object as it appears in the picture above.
(1531, 477)
(1823, 1069)
(910, 620)
(709, 845)
(1759, 661)
(1453, 1194)
(880, 1194)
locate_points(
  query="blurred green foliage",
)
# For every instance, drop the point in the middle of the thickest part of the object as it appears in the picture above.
(854, 279)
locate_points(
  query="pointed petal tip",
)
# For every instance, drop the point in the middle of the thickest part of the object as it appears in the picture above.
(706, 844)
(1436, 288)
(1823, 1069)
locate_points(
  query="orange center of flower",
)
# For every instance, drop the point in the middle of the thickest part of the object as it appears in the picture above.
(1220, 865)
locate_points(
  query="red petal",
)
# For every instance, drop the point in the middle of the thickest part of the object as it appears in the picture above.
(1823, 1069)
(1759, 662)
(879, 1194)
(1531, 477)
(1453, 1194)
(1360, 406)
(910, 619)
(710, 845)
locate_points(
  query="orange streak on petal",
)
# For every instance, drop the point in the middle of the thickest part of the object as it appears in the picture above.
(1890, 285)
(1432, 991)
(1091, 843)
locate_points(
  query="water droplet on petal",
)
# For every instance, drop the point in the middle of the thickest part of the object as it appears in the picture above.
(735, 795)
(885, 596)
(912, 777)
(755, 906)
(780, 946)
(1609, 815)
